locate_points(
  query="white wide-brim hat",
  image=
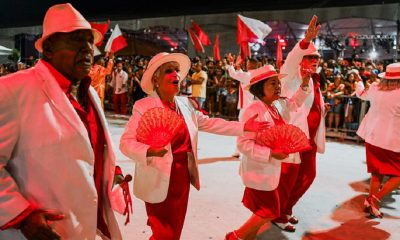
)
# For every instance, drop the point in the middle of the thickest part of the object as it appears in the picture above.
(64, 18)
(262, 73)
(392, 72)
(184, 65)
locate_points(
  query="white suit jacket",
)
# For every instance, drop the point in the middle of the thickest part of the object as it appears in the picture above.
(258, 169)
(46, 158)
(290, 84)
(381, 125)
(152, 175)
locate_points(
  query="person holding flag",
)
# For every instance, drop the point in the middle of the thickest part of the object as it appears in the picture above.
(98, 74)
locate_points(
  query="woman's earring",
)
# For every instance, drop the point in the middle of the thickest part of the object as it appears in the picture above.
(157, 85)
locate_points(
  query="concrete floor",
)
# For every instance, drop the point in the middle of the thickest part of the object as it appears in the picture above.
(330, 210)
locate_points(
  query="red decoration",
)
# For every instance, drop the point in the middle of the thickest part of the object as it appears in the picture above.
(158, 126)
(284, 138)
(123, 183)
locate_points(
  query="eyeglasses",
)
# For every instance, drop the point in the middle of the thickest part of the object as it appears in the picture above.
(311, 57)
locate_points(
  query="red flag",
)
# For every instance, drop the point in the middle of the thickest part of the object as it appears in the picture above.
(205, 40)
(196, 41)
(279, 56)
(245, 50)
(251, 30)
(116, 41)
(102, 28)
(217, 56)
(281, 43)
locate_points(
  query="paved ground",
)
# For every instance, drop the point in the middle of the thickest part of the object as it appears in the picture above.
(330, 210)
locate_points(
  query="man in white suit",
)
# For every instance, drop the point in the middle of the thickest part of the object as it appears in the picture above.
(296, 178)
(55, 147)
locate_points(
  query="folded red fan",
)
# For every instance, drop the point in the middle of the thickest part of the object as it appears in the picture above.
(284, 138)
(157, 126)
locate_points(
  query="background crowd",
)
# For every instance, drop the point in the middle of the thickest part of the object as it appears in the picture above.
(221, 91)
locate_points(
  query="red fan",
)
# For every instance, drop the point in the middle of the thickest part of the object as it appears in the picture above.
(284, 138)
(157, 126)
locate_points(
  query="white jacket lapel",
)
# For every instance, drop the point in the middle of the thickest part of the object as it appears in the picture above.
(60, 102)
(190, 121)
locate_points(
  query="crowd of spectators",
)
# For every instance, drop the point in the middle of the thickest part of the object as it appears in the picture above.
(218, 93)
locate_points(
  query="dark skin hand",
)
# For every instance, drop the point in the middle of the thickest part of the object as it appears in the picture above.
(278, 155)
(36, 225)
(156, 152)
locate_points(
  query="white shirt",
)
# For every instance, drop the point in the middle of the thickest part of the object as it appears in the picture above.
(119, 79)
(199, 90)
(244, 79)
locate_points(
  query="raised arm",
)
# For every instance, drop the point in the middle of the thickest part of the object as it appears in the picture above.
(291, 67)
(362, 92)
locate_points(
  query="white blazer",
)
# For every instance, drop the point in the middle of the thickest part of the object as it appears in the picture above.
(152, 175)
(290, 84)
(258, 169)
(381, 125)
(46, 158)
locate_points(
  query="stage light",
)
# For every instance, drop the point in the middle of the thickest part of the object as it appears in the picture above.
(373, 55)
(255, 46)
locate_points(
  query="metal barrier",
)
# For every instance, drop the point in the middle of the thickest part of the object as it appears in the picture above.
(352, 112)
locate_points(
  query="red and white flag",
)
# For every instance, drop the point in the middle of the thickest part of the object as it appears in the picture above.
(116, 41)
(250, 30)
(204, 39)
(96, 51)
(196, 41)
(245, 50)
(102, 28)
(217, 55)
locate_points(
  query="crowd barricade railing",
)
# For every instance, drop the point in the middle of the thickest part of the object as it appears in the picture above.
(353, 111)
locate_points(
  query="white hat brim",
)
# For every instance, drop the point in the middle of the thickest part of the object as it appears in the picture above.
(279, 75)
(97, 36)
(184, 65)
(383, 75)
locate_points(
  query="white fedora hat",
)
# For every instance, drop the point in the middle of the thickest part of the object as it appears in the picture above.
(64, 18)
(392, 72)
(158, 60)
(263, 73)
